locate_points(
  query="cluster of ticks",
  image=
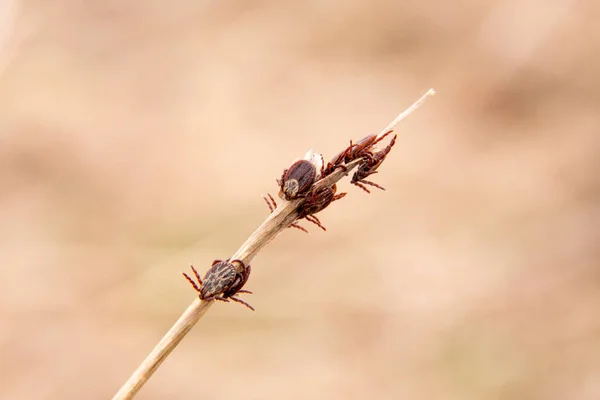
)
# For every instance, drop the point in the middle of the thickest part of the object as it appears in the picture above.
(223, 281)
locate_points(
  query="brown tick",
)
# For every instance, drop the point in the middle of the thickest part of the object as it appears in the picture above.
(354, 151)
(316, 201)
(369, 167)
(222, 282)
(295, 182)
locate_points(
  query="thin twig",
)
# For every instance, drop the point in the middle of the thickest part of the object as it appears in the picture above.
(280, 219)
(407, 112)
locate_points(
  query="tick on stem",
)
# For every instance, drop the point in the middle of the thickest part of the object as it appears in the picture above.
(296, 181)
(317, 200)
(222, 282)
(369, 167)
(354, 151)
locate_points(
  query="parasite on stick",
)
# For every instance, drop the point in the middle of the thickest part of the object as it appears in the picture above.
(356, 150)
(316, 201)
(296, 181)
(369, 167)
(222, 282)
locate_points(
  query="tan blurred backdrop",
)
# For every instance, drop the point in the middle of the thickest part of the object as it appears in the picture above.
(138, 137)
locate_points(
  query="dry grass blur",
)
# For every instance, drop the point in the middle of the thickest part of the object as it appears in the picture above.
(137, 137)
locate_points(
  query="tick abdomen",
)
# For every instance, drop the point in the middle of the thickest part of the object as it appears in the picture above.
(298, 179)
(219, 277)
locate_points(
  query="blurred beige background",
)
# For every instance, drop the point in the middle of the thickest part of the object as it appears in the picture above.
(138, 137)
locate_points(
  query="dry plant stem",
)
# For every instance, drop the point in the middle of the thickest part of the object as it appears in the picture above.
(162, 350)
(280, 219)
(408, 111)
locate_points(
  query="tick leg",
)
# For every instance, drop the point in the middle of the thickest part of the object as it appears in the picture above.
(361, 186)
(295, 225)
(315, 220)
(382, 137)
(337, 197)
(219, 298)
(272, 205)
(242, 302)
(270, 202)
(196, 273)
(190, 280)
(383, 153)
(373, 184)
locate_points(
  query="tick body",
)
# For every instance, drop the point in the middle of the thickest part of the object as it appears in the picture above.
(296, 181)
(356, 150)
(316, 201)
(222, 282)
(369, 167)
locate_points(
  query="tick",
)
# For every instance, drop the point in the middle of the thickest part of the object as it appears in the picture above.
(222, 282)
(369, 167)
(354, 151)
(316, 201)
(296, 181)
